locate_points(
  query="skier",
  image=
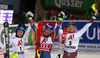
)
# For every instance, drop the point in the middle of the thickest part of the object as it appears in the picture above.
(72, 39)
(18, 41)
(46, 41)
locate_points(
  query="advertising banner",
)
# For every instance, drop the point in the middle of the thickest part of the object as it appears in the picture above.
(80, 5)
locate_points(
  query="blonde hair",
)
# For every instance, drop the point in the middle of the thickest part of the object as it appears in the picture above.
(74, 29)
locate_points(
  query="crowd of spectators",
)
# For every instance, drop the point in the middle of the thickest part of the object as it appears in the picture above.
(67, 15)
(22, 19)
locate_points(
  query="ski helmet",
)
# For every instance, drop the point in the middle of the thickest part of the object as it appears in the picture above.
(20, 27)
(72, 23)
(49, 26)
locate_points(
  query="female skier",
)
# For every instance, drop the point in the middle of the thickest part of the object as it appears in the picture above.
(72, 39)
(18, 41)
(46, 41)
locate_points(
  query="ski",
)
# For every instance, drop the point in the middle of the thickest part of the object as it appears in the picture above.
(63, 35)
(39, 31)
(6, 32)
(62, 41)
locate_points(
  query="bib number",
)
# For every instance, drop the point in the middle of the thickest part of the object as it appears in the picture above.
(70, 43)
(20, 49)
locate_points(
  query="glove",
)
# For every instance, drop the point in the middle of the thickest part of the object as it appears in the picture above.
(58, 56)
(61, 14)
(95, 15)
(14, 55)
(29, 14)
(30, 20)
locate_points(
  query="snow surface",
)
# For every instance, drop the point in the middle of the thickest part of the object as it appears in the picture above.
(82, 53)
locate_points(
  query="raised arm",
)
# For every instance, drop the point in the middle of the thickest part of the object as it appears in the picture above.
(83, 30)
(56, 30)
(27, 31)
(30, 16)
(33, 27)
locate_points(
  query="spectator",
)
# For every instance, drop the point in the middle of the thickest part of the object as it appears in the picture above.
(39, 18)
(71, 17)
(53, 16)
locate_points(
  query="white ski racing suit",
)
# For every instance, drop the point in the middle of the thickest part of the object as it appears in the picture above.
(18, 43)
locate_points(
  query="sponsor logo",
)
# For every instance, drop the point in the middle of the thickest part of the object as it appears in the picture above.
(70, 47)
(49, 26)
(46, 47)
(69, 3)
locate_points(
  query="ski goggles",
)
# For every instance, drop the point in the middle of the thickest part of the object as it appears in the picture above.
(20, 28)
